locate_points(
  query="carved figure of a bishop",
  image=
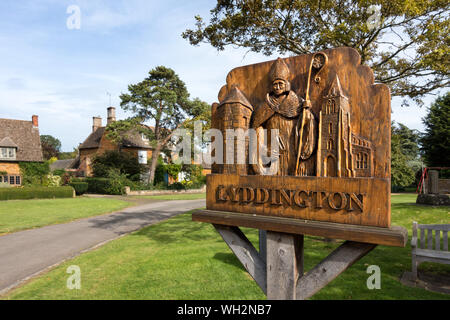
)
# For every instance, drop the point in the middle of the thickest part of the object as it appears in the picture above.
(291, 116)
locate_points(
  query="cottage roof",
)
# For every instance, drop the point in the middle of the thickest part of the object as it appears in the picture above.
(8, 143)
(62, 164)
(23, 136)
(131, 139)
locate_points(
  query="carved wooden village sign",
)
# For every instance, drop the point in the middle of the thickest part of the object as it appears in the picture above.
(314, 157)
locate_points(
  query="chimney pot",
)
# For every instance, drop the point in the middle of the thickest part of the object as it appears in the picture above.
(111, 115)
(96, 123)
(35, 120)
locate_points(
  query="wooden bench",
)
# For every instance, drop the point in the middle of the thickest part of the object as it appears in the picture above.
(423, 250)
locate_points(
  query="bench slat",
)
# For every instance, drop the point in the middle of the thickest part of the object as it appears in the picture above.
(445, 227)
(432, 254)
(430, 239)
(437, 240)
(445, 240)
(422, 238)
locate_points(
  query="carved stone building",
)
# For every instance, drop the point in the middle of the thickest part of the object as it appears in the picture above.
(233, 113)
(340, 153)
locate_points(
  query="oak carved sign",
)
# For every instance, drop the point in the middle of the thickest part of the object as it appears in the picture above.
(303, 137)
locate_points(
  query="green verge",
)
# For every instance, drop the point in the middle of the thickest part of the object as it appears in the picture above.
(19, 215)
(181, 259)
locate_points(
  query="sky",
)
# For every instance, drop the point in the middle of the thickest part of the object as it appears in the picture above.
(64, 74)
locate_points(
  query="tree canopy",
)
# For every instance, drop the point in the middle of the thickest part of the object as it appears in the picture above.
(405, 155)
(163, 99)
(405, 42)
(51, 146)
(435, 142)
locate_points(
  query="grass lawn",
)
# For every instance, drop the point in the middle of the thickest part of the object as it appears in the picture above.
(182, 196)
(16, 215)
(181, 259)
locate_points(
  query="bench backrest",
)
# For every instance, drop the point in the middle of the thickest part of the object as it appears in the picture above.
(426, 242)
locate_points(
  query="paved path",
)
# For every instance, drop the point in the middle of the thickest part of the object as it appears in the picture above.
(26, 253)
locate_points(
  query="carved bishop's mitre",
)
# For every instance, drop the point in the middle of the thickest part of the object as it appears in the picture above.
(280, 71)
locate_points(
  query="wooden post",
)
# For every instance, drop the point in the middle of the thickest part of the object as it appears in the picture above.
(284, 265)
(263, 245)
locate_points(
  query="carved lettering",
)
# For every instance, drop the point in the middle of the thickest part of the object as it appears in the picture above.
(299, 198)
(274, 198)
(302, 202)
(261, 199)
(359, 202)
(320, 195)
(332, 202)
(248, 195)
(234, 194)
(286, 197)
(219, 193)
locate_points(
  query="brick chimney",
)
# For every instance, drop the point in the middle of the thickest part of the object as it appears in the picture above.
(111, 115)
(96, 123)
(35, 121)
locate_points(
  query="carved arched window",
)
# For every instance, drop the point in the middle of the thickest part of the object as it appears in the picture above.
(330, 106)
(330, 144)
(330, 128)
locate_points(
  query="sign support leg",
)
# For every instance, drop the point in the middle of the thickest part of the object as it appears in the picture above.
(284, 265)
(281, 276)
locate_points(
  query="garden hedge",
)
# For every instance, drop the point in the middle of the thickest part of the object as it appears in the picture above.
(104, 186)
(36, 193)
(80, 187)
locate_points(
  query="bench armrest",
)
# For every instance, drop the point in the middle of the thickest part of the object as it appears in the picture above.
(414, 242)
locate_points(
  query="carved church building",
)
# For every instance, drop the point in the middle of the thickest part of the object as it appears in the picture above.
(341, 153)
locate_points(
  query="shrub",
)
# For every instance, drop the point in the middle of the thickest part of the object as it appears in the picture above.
(51, 180)
(123, 162)
(97, 185)
(59, 172)
(114, 184)
(35, 193)
(33, 172)
(177, 186)
(80, 187)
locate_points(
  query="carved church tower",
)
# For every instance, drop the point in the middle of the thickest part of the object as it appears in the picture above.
(334, 145)
(232, 114)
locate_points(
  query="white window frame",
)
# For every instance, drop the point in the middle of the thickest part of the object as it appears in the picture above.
(8, 153)
(142, 156)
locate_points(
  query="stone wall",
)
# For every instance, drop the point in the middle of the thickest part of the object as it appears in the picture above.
(10, 168)
(444, 186)
(128, 192)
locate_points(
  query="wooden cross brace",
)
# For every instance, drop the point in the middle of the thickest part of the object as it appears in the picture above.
(280, 273)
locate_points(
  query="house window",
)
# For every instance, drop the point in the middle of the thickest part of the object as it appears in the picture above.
(18, 180)
(8, 153)
(11, 179)
(5, 179)
(142, 156)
